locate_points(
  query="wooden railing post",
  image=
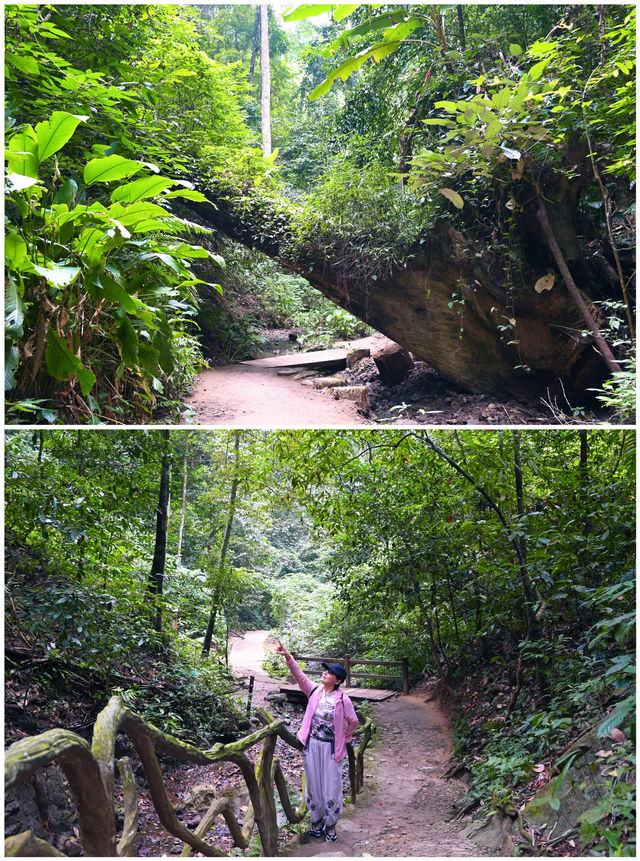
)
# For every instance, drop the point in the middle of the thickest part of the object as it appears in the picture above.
(405, 676)
(353, 777)
(347, 666)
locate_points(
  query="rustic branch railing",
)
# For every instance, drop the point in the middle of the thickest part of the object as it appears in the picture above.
(348, 661)
(90, 772)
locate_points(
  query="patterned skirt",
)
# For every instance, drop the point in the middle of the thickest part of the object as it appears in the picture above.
(324, 782)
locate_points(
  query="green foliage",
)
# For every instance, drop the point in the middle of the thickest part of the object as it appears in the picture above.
(619, 392)
(609, 828)
(267, 295)
(113, 265)
(359, 216)
(100, 295)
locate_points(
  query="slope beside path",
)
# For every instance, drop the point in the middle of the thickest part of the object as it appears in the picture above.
(406, 806)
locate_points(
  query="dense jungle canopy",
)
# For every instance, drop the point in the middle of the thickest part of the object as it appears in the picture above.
(501, 563)
(459, 177)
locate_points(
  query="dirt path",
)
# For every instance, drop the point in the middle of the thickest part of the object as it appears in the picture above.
(405, 805)
(245, 657)
(245, 396)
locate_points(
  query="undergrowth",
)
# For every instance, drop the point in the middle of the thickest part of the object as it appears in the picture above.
(511, 757)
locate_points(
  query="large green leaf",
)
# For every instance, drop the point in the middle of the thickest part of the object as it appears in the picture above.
(341, 12)
(63, 364)
(128, 341)
(149, 357)
(53, 134)
(13, 310)
(307, 10)
(165, 353)
(28, 65)
(22, 153)
(371, 24)
(189, 194)
(11, 362)
(15, 249)
(115, 293)
(67, 192)
(110, 168)
(146, 186)
(136, 213)
(375, 52)
(617, 717)
(58, 276)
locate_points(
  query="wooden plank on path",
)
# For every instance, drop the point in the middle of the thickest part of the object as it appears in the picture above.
(336, 358)
(357, 694)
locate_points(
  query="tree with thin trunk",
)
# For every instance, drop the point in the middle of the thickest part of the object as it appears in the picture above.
(156, 575)
(254, 46)
(265, 75)
(183, 507)
(222, 555)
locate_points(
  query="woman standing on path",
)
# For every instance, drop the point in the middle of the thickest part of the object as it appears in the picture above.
(328, 724)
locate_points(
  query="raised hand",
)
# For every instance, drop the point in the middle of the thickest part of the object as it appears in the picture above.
(280, 649)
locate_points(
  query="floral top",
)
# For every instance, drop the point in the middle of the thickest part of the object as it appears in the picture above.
(322, 721)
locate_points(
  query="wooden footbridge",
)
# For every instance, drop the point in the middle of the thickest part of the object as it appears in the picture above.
(293, 692)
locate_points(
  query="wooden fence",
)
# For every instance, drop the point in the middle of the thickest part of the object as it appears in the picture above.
(348, 662)
(90, 772)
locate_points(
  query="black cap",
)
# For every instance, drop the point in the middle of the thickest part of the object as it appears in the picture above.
(337, 669)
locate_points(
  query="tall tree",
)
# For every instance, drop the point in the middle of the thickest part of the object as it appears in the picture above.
(183, 506)
(254, 46)
(156, 575)
(222, 554)
(265, 75)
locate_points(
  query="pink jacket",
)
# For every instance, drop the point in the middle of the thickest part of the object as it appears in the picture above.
(345, 719)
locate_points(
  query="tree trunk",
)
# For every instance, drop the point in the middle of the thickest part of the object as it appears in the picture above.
(206, 646)
(156, 575)
(479, 342)
(463, 41)
(183, 507)
(254, 46)
(265, 75)
(533, 625)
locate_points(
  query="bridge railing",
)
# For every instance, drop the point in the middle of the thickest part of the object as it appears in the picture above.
(348, 661)
(90, 770)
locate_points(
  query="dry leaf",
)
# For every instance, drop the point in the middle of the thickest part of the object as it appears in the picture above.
(453, 196)
(604, 753)
(617, 734)
(539, 767)
(545, 283)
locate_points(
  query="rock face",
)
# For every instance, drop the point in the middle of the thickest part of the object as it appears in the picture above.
(558, 805)
(453, 303)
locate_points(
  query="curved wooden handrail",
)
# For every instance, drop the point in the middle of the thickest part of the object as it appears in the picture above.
(90, 772)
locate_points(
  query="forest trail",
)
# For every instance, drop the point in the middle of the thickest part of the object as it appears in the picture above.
(405, 805)
(245, 657)
(245, 395)
(254, 397)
